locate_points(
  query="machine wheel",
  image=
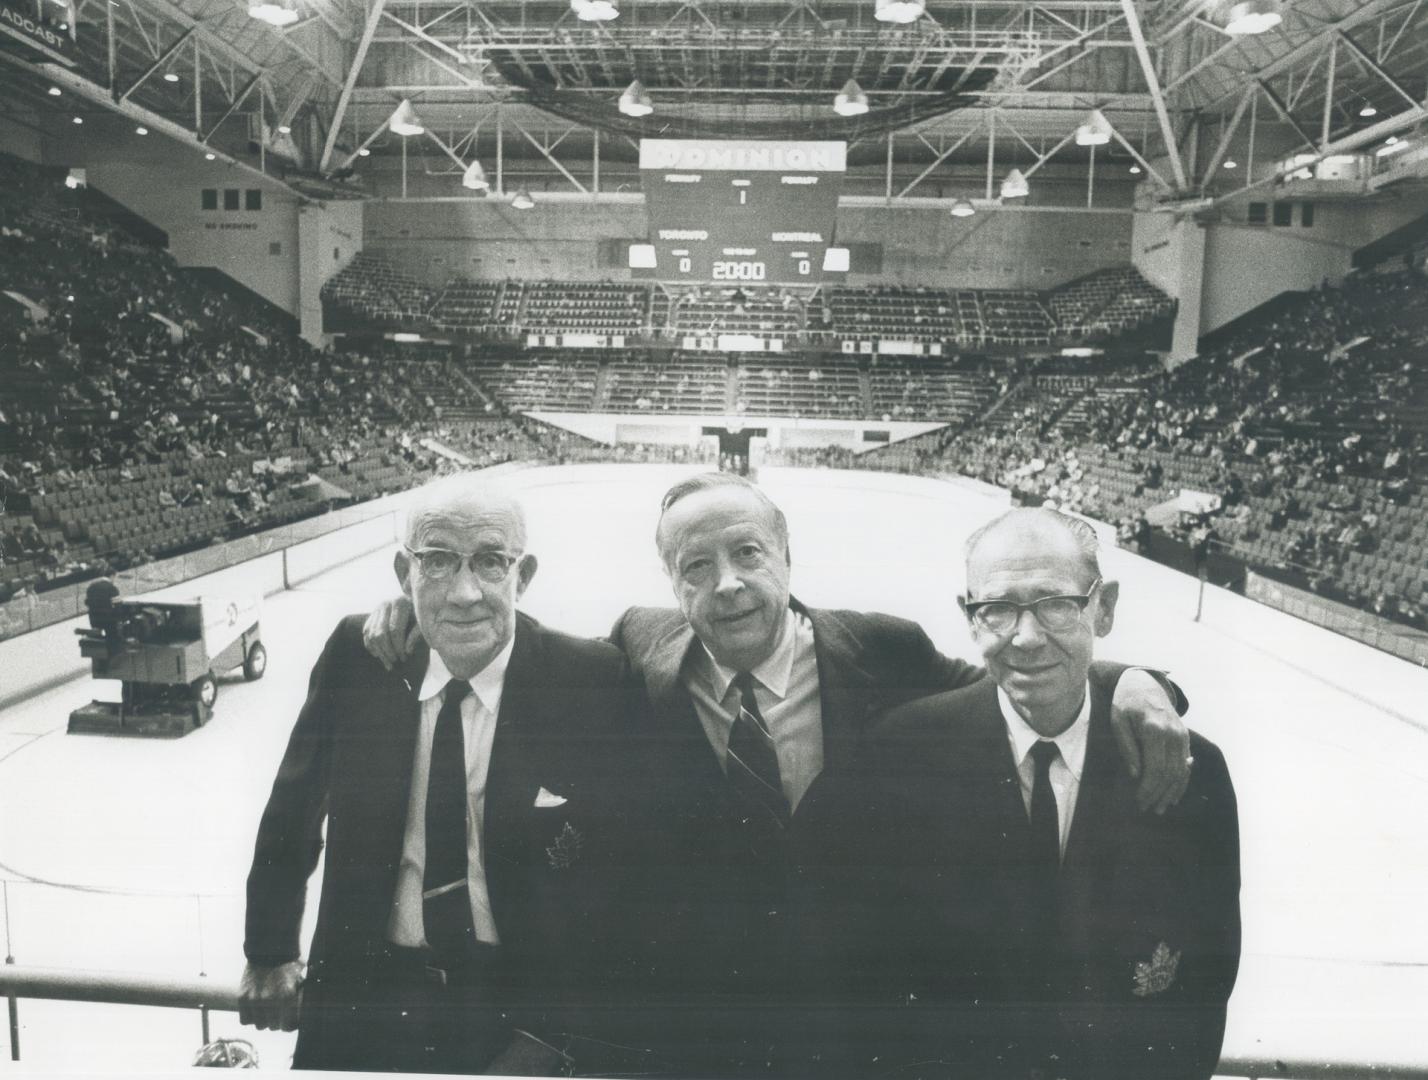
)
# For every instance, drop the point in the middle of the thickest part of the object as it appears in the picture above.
(205, 690)
(256, 662)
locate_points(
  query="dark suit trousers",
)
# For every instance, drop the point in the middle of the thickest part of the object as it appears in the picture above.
(400, 1015)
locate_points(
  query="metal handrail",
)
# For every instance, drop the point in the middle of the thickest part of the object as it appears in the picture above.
(59, 984)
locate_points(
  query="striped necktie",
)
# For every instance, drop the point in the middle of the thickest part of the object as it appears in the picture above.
(753, 763)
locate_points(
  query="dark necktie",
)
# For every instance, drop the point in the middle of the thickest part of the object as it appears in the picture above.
(753, 764)
(446, 903)
(1045, 838)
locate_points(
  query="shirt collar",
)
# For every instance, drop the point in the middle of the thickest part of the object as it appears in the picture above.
(1071, 742)
(486, 684)
(774, 674)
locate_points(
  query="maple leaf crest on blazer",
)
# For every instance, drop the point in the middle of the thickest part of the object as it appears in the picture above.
(1156, 975)
(566, 849)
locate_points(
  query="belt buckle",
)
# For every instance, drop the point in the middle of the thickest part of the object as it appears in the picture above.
(435, 974)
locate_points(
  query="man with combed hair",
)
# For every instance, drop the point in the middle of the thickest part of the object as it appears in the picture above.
(1006, 902)
(755, 698)
(474, 822)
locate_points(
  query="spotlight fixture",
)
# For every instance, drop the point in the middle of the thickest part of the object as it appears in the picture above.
(273, 12)
(1253, 17)
(1014, 186)
(595, 10)
(55, 91)
(962, 208)
(850, 101)
(404, 120)
(635, 101)
(899, 11)
(475, 177)
(1368, 110)
(1096, 131)
(522, 200)
(141, 130)
(171, 76)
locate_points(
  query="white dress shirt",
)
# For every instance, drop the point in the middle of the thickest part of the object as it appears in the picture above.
(786, 689)
(1066, 767)
(479, 710)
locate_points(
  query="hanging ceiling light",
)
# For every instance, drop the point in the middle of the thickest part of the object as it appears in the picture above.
(1253, 17)
(285, 129)
(404, 120)
(273, 12)
(141, 130)
(1135, 170)
(55, 91)
(595, 10)
(1368, 110)
(364, 152)
(1231, 164)
(962, 208)
(171, 76)
(1014, 186)
(475, 177)
(1096, 131)
(850, 101)
(210, 156)
(522, 200)
(635, 101)
(899, 11)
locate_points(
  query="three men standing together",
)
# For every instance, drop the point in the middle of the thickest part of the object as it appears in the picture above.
(712, 784)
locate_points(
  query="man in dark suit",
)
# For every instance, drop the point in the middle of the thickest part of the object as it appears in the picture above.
(755, 697)
(1006, 903)
(782, 695)
(474, 823)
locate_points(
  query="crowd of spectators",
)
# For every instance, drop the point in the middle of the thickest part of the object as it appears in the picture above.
(1306, 430)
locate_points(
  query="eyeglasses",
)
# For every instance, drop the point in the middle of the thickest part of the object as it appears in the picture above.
(1054, 613)
(438, 564)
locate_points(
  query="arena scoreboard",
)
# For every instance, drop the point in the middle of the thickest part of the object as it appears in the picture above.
(739, 211)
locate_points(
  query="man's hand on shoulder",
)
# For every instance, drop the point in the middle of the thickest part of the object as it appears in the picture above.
(1153, 740)
(391, 632)
(270, 998)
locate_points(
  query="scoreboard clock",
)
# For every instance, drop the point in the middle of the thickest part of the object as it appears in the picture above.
(738, 211)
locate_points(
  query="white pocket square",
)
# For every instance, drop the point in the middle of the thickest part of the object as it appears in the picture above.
(546, 799)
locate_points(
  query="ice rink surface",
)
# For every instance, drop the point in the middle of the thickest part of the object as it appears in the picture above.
(130, 855)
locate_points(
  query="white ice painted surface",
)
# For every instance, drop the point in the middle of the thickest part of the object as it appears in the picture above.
(1331, 774)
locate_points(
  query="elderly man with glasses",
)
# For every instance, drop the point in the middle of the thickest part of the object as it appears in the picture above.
(475, 819)
(1006, 903)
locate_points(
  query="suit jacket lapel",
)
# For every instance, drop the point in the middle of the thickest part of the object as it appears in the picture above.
(1105, 794)
(392, 714)
(511, 784)
(843, 687)
(674, 709)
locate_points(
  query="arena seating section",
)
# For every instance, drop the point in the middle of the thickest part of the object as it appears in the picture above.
(1310, 425)
(119, 443)
(146, 410)
(1102, 305)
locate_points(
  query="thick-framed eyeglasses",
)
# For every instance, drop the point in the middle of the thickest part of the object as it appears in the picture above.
(1054, 613)
(439, 564)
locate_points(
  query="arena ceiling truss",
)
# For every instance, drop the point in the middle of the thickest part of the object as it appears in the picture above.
(526, 84)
